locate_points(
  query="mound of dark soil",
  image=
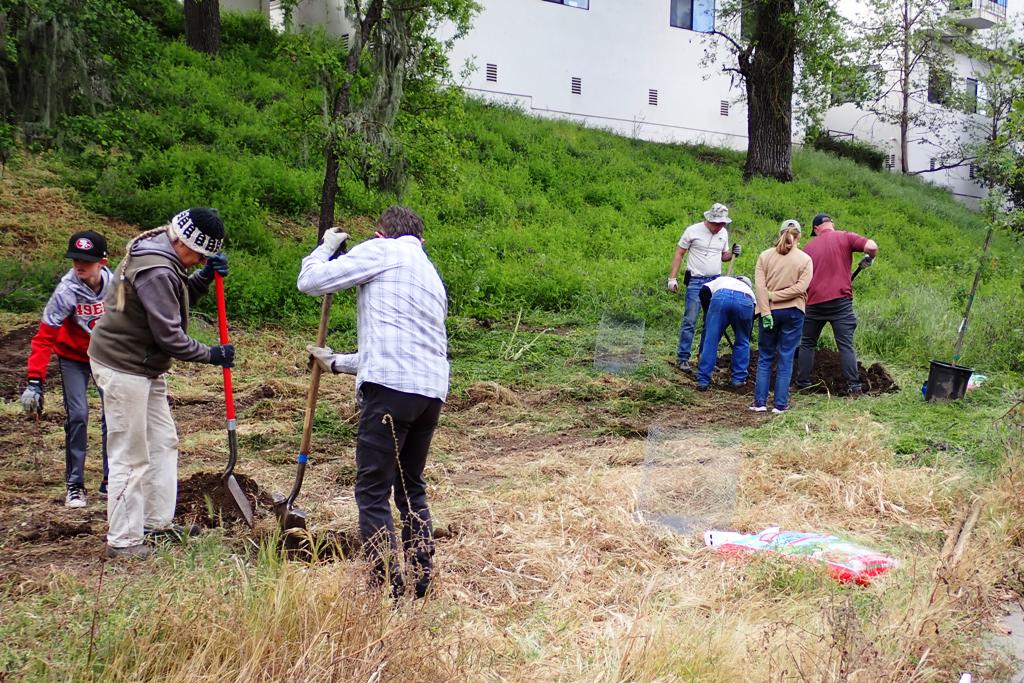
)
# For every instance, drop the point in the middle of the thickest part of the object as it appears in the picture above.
(827, 376)
(204, 500)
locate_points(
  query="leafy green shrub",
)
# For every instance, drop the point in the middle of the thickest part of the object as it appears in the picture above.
(250, 29)
(860, 152)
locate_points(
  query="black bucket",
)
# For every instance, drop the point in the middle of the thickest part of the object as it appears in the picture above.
(947, 382)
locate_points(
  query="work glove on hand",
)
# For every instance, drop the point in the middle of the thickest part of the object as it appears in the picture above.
(767, 322)
(323, 355)
(32, 397)
(737, 250)
(223, 356)
(218, 263)
(673, 285)
(866, 261)
(334, 238)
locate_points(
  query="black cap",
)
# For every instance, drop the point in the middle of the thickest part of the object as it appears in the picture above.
(821, 218)
(87, 246)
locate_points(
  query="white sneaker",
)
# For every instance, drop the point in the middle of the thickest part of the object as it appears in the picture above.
(75, 498)
(758, 409)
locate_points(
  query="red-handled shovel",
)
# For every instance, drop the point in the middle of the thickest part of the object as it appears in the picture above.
(228, 478)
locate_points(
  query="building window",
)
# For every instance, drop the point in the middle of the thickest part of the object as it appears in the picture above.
(492, 73)
(939, 83)
(652, 98)
(581, 4)
(971, 102)
(576, 86)
(723, 107)
(695, 15)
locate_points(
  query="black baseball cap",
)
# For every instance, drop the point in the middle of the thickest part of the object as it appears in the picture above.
(821, 218)
(87, 246)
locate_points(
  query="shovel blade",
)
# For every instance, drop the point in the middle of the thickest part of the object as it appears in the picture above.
(296, 536)
(239, 497)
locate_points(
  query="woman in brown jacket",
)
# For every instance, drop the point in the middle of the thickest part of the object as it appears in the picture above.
(780, 284)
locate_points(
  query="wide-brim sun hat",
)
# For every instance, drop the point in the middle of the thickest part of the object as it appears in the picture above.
(718, 213)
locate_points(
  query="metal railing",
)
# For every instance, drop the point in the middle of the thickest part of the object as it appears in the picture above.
(996, 7)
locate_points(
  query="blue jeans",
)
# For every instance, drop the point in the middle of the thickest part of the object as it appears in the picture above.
(736, 310)
(690, 314)
(780, 342)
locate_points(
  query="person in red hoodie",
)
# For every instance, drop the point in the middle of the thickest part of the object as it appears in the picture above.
(65, 329)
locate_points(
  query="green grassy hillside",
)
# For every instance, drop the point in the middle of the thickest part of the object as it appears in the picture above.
(564, 223)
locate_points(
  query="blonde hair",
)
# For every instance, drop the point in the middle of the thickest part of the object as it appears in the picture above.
(789, 235)
(119, 277)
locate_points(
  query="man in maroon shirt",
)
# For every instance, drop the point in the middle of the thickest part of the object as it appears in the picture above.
(830, 298)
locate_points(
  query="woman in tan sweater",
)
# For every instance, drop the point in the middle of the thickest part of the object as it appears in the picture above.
(780, 284)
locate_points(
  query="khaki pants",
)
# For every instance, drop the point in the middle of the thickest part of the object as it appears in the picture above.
(142, 446)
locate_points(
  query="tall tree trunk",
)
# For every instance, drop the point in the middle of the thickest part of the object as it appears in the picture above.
(340, 108)
(202, 25)
(769, 79)
(905, 85)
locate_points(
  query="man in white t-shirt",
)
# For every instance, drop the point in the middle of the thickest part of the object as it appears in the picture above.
(706, 246)
(731, 304)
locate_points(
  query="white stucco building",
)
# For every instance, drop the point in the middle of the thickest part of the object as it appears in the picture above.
(636, 67)
(927, 150)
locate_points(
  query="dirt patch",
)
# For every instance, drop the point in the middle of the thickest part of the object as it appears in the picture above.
(827, 375)
(46, 529)
(325, 546)
(14, 349)
(204, 500)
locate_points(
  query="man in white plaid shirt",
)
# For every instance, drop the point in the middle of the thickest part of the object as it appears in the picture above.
(401, 380)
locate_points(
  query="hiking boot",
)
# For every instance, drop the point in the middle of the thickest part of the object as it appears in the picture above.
(703, 387)
(684, 365)
(779, 411)
(75, 498)
(103, 490)
(758, 409)
(175, 533)
(856, 392)
(132, 552)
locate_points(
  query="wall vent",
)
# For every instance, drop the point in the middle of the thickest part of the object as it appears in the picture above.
(972, 171)
(345, 42)
(577, 85)
(652, 98)
(723, 108)
(890, 161)
(492, 73)
(931, 164)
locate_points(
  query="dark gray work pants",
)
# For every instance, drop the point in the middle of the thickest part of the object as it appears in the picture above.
(74, 378)
(391, 453)
(839, 313)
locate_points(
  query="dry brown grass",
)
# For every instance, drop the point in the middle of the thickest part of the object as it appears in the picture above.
(549, 574)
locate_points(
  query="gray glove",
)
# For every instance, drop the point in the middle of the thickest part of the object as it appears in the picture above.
(736, 250)
(323, 355)
(866, 262)
(32, 397)
(333, 239)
